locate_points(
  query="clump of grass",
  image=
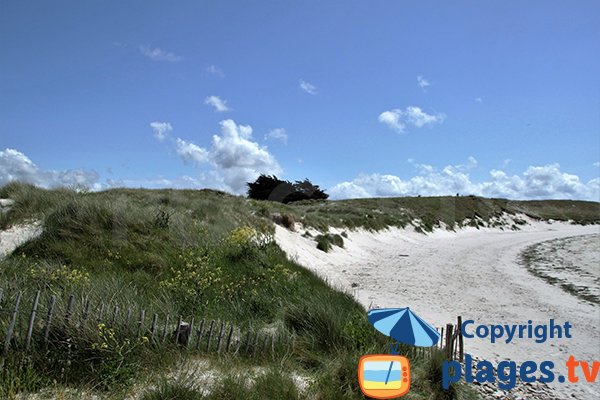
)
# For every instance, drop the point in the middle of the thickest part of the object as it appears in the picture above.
(326, 241)
(435, 376)
(286, 220)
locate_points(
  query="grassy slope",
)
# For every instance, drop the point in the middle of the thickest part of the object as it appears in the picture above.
(173, 251)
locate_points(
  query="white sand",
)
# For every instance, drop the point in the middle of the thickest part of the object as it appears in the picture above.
(472, 273)
(16, 235)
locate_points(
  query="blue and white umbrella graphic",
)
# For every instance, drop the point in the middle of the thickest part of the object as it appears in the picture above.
(404, 326)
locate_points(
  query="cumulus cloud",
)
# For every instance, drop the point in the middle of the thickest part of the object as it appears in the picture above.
(423, 83)
(216, 102)
(189, 152)
(161, 129)
(233, 158)
(307, 87)
(157, 54)
(278, 134)
(478, 99)
(536, 182)
(398, 119)
(16, 166)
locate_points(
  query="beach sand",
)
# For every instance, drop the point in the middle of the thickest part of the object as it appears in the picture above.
(474, 273)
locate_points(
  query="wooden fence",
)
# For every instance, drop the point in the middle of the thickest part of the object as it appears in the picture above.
(26, 322)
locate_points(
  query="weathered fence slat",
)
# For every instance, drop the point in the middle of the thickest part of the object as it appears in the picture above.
(210, 331)
(228, 346)
(32, 320)
(49, 318)
(153, 327)
(220, 338)
(449, 340)
(86, 310)
(255, 343)
(101, 312)
(177, 330)
(114, 315)
(164, 334)
(129, 312)
(11, 325)
(199, 334)
(247, 348)
(238, 340)
(141, 322)
(190, 333)
(69, 311)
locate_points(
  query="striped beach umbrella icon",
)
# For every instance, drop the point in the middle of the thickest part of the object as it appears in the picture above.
(404, 326)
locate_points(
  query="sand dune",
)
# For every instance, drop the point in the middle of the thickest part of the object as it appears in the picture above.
(473, 273)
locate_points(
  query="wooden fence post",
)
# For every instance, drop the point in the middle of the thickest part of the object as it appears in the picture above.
(11, 327)
(49, 318)
(449, 340)
(461, 349)
(32, 320)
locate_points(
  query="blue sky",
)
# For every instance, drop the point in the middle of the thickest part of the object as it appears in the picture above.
(365, 98)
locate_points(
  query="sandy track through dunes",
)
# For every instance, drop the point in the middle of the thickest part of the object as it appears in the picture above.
(473, 273)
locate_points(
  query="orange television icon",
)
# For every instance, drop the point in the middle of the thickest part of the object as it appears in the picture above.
(384, 376)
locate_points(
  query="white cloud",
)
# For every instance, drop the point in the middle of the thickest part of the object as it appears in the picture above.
(16, 166)
(161, 129)
(214, 70)
(307, 87)
(234, 158)
(217, 103)
(423, 83)
(398, 119)
(596, 164)
(157, 54)
(190, 152)
(479, 100)
(536, 182)
(278, 134)
(392, 119)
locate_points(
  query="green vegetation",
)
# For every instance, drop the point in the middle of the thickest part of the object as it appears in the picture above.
(427, 213)
(327, 240)
(206, 253)
(183, 252)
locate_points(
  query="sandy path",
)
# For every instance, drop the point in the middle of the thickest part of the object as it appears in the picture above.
(473, 273)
